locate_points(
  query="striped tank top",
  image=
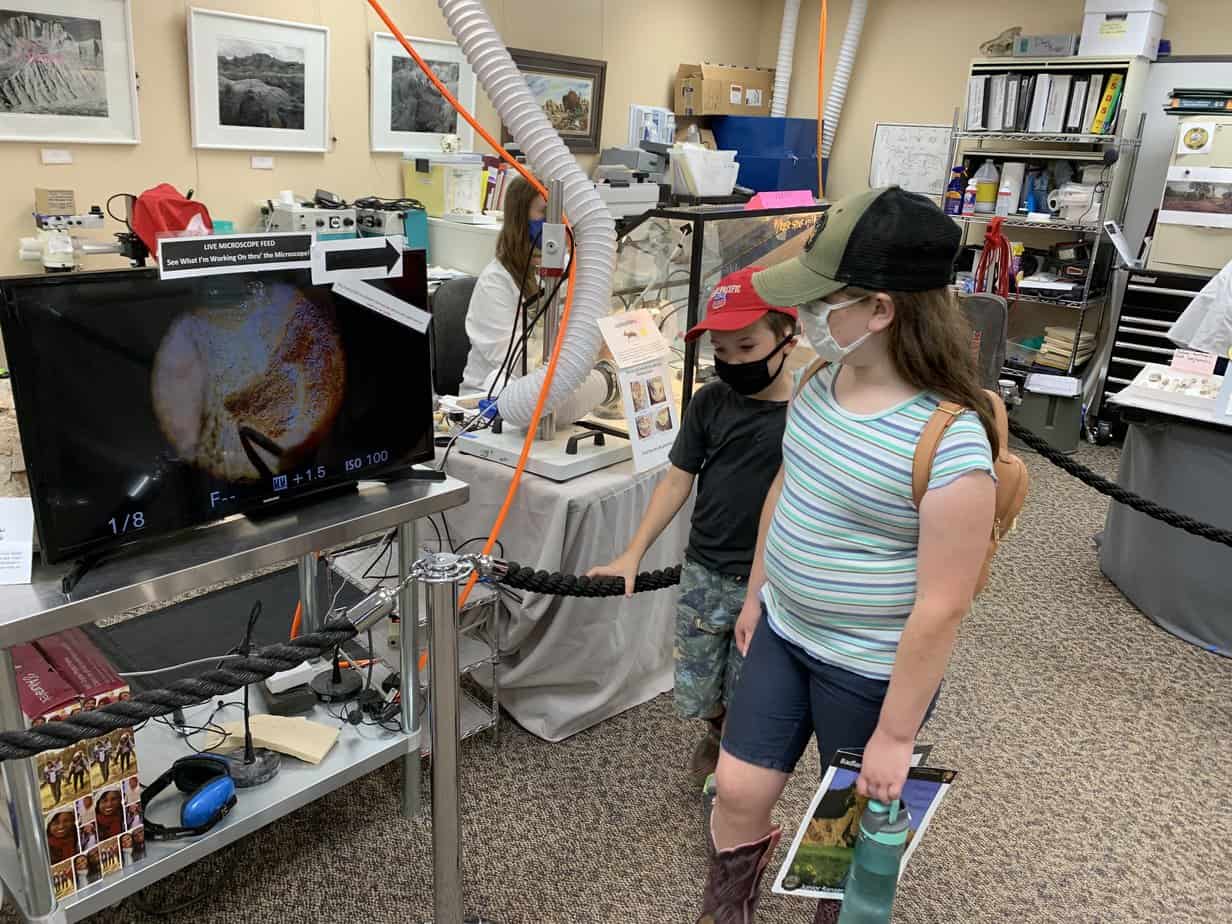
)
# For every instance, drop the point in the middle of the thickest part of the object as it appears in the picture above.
(841, 550)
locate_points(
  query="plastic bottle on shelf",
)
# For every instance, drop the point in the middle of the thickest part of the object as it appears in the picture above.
(868, 897)
(968, 199)
(954, 191)
(988, 181)
(1005, 204)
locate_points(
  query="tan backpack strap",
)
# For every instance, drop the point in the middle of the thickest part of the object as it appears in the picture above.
(926, 449)
(813, 368)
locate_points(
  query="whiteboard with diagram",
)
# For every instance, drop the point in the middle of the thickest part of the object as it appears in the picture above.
(914, 156)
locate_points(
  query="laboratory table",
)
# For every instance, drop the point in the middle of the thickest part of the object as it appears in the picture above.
(569, 663)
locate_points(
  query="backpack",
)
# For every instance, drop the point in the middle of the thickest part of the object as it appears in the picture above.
(1011, 471)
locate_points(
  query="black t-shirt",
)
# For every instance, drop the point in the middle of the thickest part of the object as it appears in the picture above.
(735, 445)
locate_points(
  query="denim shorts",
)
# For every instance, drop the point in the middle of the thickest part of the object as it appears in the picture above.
(786, 696)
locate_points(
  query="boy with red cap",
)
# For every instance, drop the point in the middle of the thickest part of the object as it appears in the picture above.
(730, 442)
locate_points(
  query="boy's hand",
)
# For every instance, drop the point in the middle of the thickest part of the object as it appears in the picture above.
(623, 567)
(746, 624)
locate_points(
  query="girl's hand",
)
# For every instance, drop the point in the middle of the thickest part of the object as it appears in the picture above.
(623, 567)
(746, 624)
(885, 765)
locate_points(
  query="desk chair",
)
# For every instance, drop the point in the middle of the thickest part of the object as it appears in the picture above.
(988, 316)
(449, 343)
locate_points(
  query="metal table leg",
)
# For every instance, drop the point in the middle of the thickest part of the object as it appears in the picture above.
(310, 594)
(35, 897)
(441, 573)
(408, 648)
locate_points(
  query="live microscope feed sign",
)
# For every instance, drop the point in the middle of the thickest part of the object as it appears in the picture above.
(641, 354)
(212, 255)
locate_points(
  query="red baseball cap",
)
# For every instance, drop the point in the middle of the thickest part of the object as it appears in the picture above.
(735, 304)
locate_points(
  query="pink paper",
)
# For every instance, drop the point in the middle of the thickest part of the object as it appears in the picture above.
(780, 199)
(1193, 361)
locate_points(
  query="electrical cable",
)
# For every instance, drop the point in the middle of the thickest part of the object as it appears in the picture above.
(528, 330)
(176, 667)
(822, 27)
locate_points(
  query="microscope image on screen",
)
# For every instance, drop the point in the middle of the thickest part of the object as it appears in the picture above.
(246, 392)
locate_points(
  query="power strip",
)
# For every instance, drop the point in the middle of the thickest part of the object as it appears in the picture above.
(295, 677)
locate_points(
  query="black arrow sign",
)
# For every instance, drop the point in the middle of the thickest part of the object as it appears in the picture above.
(362, 258)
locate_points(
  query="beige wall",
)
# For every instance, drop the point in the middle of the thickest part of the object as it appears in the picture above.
(913, 59)
(642, 40)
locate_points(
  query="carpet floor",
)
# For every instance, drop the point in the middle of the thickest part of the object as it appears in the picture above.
(1093, 751)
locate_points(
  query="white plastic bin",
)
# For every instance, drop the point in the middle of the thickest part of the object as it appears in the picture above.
(1122, 27)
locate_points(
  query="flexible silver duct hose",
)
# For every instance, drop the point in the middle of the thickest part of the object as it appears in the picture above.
(842, 74)
(594, 233)
(787, 48)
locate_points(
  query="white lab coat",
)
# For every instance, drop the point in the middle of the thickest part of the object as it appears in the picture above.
(492, 314)
(1206, 324)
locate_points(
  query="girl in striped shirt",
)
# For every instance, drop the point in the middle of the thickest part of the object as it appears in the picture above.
(855, 596)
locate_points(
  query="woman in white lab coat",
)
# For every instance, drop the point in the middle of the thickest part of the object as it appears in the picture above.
(507, 287)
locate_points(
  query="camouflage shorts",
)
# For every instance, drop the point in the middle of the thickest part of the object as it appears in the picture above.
(707, 662)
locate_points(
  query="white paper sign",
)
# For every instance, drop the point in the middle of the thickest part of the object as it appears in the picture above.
(633, 338)
(652, 415)
(641, 352)
(382, 302)
(16, 540)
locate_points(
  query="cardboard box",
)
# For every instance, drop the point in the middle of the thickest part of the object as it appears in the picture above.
(1123, 27)
(722, 89)
(54, 201)
(93, 784)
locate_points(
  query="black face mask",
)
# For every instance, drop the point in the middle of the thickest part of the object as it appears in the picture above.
(750, 378)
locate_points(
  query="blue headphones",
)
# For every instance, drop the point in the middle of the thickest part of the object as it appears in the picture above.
(209, 795)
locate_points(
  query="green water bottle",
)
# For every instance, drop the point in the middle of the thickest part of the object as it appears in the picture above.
(873, 879)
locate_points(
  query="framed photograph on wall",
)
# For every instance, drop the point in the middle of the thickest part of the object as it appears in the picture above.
(570, 90)
(257, 84)
(67, 72)
(408, 113)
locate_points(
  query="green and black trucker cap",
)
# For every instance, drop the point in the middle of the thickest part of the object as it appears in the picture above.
(884, 240)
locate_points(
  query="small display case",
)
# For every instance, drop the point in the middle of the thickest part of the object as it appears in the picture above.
(670, 260)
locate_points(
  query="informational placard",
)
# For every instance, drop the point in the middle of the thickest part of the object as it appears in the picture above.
(358, 258)
(386, 303)
(215, 254)
(1194, 361)
(16, 540)
(641, 353)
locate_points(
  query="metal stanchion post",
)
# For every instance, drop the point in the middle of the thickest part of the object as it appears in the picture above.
(408, 651)
(38, 900)
(309, 594)
(441, 573)
(551, 315)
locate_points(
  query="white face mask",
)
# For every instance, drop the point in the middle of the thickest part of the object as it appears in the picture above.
(815, 319)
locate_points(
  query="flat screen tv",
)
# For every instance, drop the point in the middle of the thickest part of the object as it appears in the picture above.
(147, 407)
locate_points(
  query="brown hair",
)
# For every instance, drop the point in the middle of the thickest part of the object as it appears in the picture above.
(930, 344)
(514, 246)
(780, 324)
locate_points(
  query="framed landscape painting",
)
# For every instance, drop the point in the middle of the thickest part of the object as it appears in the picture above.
(570, 90)
(67, 72)
(408, 113)
(257, 84)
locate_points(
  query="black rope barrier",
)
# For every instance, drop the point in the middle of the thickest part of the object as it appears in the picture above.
(150, 704)
(1117, 493)
(571, 585)
(273, 659)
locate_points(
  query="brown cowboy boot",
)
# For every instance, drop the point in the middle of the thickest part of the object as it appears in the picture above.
(735, 877)
(827, 912)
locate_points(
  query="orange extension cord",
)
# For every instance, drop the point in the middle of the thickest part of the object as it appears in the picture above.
(564, 316)
(821, 97)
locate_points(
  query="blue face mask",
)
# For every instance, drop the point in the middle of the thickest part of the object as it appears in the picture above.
(536, 230)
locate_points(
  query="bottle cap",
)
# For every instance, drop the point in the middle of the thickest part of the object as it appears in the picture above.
(886, 824)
